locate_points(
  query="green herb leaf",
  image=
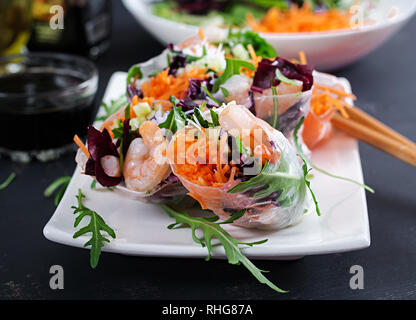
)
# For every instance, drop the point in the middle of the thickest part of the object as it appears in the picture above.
(214, 118)
(273, 179)
(114, 106)
(176, 119)
(61, 184)
(275, 120)
(209, 94)
(93, 184)
(134, 71)
(200, 118)
(7, 181)
(260, 45)
(284, 79)
(232, 67)
(95, 226)
(212, 229)
(225, 92)
(308, 184)
(305, 159)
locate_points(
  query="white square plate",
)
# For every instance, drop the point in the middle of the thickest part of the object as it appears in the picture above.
(141, 228)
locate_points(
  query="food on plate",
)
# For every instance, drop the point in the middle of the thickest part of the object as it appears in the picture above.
(241, 163)
(219, 119)
(281, 16)
(203, 73)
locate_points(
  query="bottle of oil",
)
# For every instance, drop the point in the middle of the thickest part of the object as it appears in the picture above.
(72, 26)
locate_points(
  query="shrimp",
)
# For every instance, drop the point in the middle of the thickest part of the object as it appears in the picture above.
(238, 87)
(146, 164)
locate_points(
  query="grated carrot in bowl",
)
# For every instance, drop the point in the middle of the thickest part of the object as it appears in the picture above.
(302, 19)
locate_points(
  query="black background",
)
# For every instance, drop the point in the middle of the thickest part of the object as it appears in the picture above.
(386, 86)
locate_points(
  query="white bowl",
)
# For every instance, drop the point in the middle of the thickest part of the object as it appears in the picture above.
(326, 50)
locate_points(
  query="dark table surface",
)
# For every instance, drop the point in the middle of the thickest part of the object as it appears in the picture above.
(385, 83)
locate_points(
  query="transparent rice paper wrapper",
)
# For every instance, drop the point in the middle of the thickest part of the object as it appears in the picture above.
(261, 211)
(291, 108)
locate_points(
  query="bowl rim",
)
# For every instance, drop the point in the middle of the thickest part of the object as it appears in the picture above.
(93, 74)
(402, 17)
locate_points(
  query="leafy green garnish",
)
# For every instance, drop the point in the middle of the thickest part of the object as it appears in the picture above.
(9, 180)
(209, 94)
(308, 184)
(114, 106)
(61, 184)
(200, 118)
(232, 67)
(225, 92)
(273, 179)
(176, 119)
(214, 118)
(134, 71)
(306, 160)
(284, 79)
(211, 229)
(93, 184)
(275, 119)
(95, 226)
(260, 46)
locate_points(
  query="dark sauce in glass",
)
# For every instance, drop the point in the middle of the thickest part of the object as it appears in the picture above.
(40, 111)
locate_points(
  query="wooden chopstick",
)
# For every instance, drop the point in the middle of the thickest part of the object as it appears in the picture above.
(367, 129)
(371, 122)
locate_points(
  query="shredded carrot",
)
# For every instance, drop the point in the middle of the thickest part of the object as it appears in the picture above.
(163, 85)
(302, 19)
(336, 91)
(81, 145)
(326, 98)
(201, 33)
(252, 52)
(302, 57)
(135, 100)
(107, 126)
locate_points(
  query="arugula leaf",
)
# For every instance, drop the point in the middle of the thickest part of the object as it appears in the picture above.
(61, 184)
(232, 67)
(214, 118)
(9, 180)
(306, 160)
(114, 106)
(284, 79)
(95, 226)
(308, 184)
(260, 45)
(209, 94)
(225, 92)
(204, 123)
(134, 71)
(176, 119)
(273, 179)
(210, 229)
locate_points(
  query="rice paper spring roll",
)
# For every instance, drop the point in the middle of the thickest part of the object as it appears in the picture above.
(129, 153)
(241, 164)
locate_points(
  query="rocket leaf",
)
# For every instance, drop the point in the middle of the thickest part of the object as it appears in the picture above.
(211, 229)
(95, 226)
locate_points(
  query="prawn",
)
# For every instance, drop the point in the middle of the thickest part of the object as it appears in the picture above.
(146, 165)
